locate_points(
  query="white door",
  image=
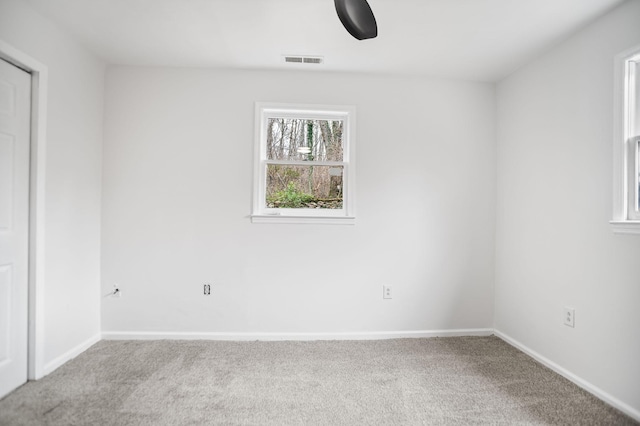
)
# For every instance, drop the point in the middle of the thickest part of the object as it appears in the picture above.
(15, 118)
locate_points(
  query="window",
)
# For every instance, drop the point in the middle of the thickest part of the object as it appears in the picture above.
(634, 178)
(304, 170)
(626, 153)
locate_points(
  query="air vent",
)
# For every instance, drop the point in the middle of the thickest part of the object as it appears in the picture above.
(304, 59)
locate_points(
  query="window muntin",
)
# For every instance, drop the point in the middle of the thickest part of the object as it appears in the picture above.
(304, 165)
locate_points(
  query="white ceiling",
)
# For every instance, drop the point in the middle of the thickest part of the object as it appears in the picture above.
(470, 39)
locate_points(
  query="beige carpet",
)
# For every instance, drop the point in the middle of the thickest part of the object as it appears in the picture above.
(458, 380)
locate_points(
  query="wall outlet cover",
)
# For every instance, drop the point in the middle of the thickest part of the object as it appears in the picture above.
(386, 292)
(569, 317)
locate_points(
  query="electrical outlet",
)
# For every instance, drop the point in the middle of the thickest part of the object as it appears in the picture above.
(207, 289)
(569, 317)
(386, 292)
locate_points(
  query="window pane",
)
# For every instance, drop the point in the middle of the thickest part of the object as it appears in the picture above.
(304, 187)
(637, 177)
(301, 140)
(634, 98)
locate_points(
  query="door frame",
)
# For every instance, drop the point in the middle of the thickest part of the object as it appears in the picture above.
(37, 184)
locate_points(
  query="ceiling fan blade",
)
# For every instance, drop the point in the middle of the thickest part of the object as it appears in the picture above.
(357, 17)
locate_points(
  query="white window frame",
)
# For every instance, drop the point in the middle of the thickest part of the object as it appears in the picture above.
(626, 167)
(261, 213)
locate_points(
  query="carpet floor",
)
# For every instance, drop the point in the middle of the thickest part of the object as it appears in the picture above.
(438, 381)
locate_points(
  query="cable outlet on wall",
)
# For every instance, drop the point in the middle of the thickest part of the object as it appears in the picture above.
(386, 292)
(569, 317)
(207, 289)
(116, 291)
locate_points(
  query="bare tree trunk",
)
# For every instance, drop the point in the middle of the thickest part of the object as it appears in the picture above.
(333, 138)
(310, 145)
(270, 148)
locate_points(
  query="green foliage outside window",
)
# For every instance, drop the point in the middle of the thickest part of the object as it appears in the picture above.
(291, 197)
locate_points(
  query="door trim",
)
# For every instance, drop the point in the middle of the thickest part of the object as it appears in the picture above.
(37, 184)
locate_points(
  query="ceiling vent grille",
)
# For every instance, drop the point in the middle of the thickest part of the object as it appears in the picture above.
(304, 59)
(315, 60)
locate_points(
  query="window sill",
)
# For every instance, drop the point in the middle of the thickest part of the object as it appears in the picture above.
(313, 220)
(625, 226)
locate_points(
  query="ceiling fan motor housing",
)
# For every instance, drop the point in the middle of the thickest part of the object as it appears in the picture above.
(357, 17)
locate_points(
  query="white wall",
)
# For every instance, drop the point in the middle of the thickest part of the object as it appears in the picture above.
(73, 172)
(177, 195)
(554, 244)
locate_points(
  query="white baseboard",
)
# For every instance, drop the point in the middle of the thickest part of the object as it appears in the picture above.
(365, 335)
(70, 354)
(594, 390)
